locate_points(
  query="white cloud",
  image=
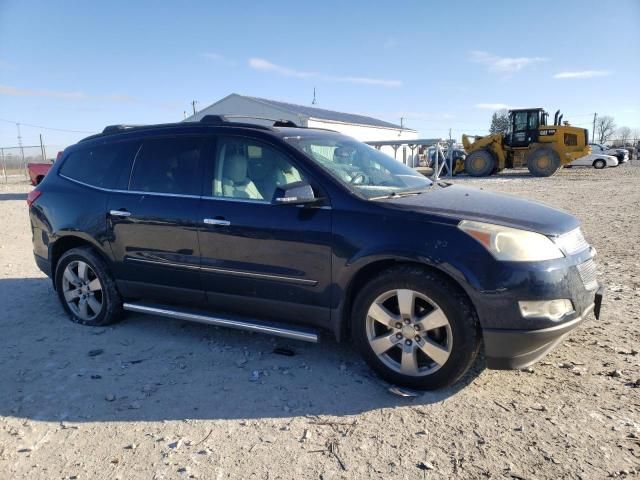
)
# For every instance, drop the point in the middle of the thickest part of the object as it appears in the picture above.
(266, 66)
(503, 64)
(493, 106)
(582, 74)
(77, 95)
(216, 57)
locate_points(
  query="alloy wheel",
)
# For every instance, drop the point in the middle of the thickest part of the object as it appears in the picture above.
(82, 290)
(409, 332)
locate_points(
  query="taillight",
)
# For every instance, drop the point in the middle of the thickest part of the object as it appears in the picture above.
(32, 196)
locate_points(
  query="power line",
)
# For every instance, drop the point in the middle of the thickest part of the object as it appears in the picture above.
(45, 128)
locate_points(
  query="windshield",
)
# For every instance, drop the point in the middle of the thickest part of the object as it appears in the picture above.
(362, 168)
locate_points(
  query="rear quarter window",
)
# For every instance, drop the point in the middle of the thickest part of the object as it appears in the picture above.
(104, 166)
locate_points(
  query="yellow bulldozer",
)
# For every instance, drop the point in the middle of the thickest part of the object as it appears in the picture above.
(529, 142)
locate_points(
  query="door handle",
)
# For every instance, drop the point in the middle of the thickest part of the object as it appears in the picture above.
(119, 213)
(217, 221)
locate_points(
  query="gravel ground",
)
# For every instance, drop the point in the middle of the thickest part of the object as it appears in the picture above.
(155, 398)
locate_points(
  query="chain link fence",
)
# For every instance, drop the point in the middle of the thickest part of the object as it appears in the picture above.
(15, 159)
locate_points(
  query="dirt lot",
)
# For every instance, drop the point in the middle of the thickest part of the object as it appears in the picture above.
(154, 398)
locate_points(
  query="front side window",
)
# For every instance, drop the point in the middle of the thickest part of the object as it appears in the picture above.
(520, 121)
(169, 165)
(250, 170)
(363, 169)
(104, 166)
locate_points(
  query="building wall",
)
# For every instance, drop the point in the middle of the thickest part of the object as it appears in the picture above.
(237, 105)
(370, 134)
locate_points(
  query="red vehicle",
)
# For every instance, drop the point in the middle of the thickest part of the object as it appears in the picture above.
(37, 171)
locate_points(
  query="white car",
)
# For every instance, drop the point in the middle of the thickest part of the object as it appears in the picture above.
(595, 160)
(620, 153)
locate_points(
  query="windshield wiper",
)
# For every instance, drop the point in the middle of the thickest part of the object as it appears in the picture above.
(399, 194)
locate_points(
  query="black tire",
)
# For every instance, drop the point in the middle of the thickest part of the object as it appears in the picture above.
(110, 310)
(543, 162)
(460, 314)
(599, 164)
(39, 179)
(480, 163)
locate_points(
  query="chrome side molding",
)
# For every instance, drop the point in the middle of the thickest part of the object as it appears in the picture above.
(239, 323)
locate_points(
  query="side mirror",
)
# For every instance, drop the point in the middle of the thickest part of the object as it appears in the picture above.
(297, 193)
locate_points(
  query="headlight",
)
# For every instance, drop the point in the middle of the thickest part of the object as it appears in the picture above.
(511, 244)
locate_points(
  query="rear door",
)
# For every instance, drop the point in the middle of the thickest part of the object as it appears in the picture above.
(154, 221)
(258, 258)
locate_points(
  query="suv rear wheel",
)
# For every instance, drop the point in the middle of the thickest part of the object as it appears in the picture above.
(415, 329)
(86, 288)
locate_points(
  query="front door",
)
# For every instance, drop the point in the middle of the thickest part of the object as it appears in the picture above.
(154, 223)
(257, 258)
(524, 128)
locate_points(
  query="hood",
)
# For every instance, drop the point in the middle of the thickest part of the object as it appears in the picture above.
(464, 203)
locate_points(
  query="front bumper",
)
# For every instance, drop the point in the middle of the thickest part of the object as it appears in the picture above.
(514, 349)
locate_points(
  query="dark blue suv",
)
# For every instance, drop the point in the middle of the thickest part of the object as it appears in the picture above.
(289, 231)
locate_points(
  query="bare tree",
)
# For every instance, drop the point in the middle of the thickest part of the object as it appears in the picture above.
(605, 128)
(499, 122)
(624, 134)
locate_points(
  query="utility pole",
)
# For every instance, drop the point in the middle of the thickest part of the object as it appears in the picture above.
(595, 116)
(313, 102)
(21, 150)
(450, 134)
(42, 150)
(193, 104)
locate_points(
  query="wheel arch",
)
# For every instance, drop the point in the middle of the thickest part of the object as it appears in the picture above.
(65, 243)
(373, 268)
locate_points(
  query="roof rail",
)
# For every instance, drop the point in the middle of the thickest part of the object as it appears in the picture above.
(213, 119)
(119, 128)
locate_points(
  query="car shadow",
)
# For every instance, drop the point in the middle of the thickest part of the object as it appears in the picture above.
(151, 368)
(13, 196)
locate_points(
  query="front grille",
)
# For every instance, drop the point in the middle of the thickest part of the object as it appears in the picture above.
(572, 242)
(570, 139)
(587, 271)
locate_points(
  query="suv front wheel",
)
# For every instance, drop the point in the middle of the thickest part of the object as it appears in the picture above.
(415, 328)
(86, 288)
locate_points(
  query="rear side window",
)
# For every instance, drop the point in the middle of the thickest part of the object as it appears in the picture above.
(169, 165)
(105, 166)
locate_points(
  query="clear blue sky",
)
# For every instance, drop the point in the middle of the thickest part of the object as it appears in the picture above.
(83, 65)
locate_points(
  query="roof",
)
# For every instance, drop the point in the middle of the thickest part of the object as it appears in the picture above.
(321, 113)
(206, 124)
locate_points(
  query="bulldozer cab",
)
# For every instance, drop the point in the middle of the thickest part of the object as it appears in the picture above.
(524, 126)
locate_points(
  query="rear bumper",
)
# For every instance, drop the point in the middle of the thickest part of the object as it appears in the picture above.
(507, 349)
(43, 264)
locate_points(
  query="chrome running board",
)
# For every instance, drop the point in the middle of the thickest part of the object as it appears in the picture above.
(230, 321)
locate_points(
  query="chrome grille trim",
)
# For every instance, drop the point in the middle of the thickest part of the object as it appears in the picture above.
(572, 242)
(588, 273)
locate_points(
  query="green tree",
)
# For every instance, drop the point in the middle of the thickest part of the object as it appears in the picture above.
(499, 122)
